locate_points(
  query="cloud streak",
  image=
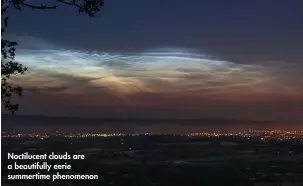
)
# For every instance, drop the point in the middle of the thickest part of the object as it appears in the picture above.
(165, 70)
(163, 78)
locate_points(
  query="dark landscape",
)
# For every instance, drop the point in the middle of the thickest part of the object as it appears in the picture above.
(145, 159)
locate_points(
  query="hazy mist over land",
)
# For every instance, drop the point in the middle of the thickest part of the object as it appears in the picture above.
(133, 125)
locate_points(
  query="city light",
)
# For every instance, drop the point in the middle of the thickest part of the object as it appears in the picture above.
(262, 135)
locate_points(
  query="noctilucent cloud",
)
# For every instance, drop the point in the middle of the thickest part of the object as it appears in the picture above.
(213, 59)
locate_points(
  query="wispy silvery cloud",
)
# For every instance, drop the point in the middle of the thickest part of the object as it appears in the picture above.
(166, 70)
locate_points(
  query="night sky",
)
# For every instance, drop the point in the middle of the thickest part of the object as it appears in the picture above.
(211, 59)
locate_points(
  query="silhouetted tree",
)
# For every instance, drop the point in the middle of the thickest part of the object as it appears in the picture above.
(11, 67)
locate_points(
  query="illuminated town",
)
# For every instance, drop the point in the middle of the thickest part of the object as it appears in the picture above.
(247, 134)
